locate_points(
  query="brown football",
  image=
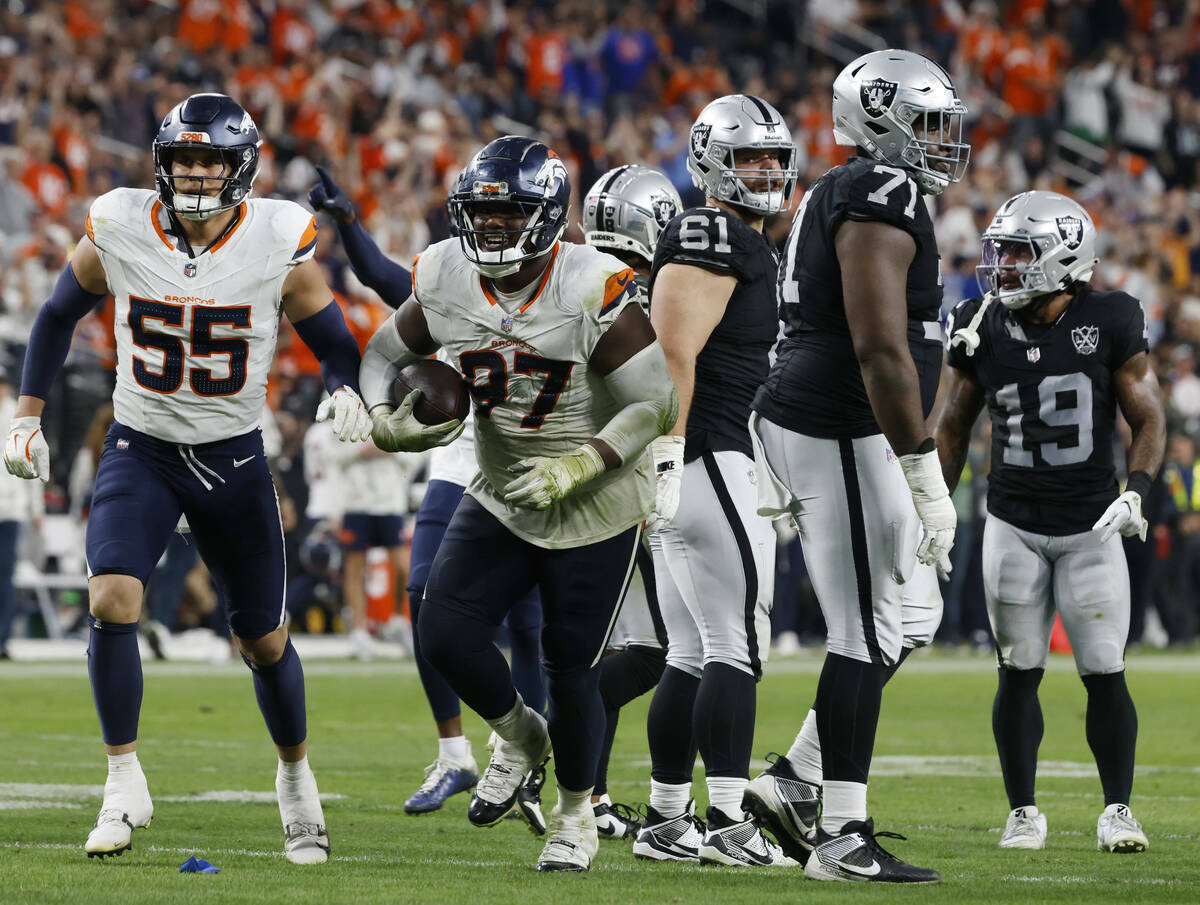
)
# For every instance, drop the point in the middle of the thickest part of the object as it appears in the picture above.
(444, 394)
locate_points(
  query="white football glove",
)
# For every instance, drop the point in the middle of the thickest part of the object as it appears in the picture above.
(26, 454)
(930, 495)
(668, 470)
(398, 430)
(351, 423)
(545, 480)
(1124, 515)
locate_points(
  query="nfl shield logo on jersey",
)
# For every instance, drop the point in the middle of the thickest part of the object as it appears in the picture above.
(189, 269)
(1034, 354)
(876, 96)
(1086, 339)
(506, 324)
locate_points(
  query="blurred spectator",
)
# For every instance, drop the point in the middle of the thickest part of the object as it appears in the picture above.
(21, 502)
(1177, 589)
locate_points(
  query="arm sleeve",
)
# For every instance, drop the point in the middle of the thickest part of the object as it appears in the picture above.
(1131, 334)
(393, 283)
(50, 339)
(643, 386)
(334, 346)
(386, 356)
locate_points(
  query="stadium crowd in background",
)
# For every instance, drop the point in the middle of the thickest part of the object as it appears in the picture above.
(1096, 98)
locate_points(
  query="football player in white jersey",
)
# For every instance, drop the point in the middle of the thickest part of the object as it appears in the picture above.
(451, 468)
(569, 386)
(200, 273)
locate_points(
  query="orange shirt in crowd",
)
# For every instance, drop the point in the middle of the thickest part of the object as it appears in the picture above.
(291, 36)
(74, 149)
(699, 81)
(199, 25)
(80, 22)
(983, 49)
(547, 55)
(1031, 73)
(48, 185)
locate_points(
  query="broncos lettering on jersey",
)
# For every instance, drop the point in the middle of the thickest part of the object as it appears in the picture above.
(532, 390)
(195, 336)
(736, 357)
(815, 386)
(1049, 393)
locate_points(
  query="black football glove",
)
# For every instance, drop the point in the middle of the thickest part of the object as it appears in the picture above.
(326, 196)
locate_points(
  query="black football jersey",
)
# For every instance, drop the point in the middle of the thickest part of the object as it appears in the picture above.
(736, 358)
(1052, 402)
(815, 386)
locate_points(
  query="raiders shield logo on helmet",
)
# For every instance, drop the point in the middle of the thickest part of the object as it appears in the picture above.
(700, 133)
(664, 211)
(1071, 230)
(1085, 339)
(877, 96)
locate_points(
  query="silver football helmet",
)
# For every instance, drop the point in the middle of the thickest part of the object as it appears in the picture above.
(742, 121)
(1038, 243)
(628, 208)
(902, 109)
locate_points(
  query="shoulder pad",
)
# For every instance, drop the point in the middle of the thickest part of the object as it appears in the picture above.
(429, 271)
(882, 193)
(702, 237)
(295, 226)
(114, 209)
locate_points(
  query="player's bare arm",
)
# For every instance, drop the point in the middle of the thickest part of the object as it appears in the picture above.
(688, 304)
(874, 259)
(400, 340)
(309, 305)
(1140, 400)
(960, 400)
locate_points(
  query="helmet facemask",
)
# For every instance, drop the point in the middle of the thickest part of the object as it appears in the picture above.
(773, 197)
(501, 252)
(936, 153)
(240, 166)
(1026, 276)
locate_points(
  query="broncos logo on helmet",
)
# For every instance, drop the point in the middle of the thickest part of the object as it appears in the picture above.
(520, 173)
(209, 122)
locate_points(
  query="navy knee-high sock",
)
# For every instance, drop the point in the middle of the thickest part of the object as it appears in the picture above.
(1112, 734)
(442, 699)
(115, 669)
(576, 724)
(1017, 725)
(669, 727)
(279, 687)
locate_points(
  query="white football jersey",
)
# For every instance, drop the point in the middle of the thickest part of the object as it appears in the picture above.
(195, 336)
(533, 393)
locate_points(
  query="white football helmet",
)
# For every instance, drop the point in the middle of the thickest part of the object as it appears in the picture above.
(728, 124)
(902, 109)
(1038, 243)
(628, 208)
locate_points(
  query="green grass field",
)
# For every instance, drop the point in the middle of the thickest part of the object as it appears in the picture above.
(211, 772)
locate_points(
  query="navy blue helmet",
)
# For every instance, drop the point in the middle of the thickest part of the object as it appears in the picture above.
(516, 172)
(207, 122)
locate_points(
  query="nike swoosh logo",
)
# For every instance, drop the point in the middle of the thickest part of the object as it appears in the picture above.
(622, 282)
(861, 871)
(238, 463)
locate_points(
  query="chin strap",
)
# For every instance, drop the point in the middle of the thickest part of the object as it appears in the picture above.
(968, 336)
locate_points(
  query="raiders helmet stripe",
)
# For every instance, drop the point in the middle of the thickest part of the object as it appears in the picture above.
(768, 119)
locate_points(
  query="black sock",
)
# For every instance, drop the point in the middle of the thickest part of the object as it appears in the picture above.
(1112, 734)
(724, 720)
(1017, 725)
(847, 708)
(669, 727)
(279, 687)
(115, 668)
(891, 670)
(610, 732)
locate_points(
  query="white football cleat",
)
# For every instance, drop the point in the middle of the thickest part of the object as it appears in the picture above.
(571, 840)
(509, 767)
(669, 838)
(1119, 831)
(362, 645)
(127, 806)
(305, 838)
(739, 843)
(1025, 828)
